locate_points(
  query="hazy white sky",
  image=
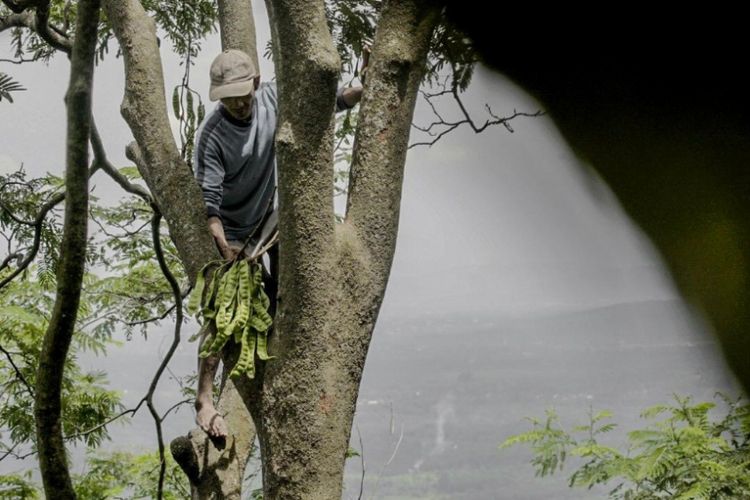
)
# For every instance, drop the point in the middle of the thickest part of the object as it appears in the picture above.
(499, 221)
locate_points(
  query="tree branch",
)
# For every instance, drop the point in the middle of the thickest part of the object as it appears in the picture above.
(131, 411)
(57, 338)
(37, 21)
(450, 126)
(144, 108)
(6, 260)
(18, 6)
(175, 342)
(19, 375)
(237, 27)
(19, 20)
(52, 36)
(106, 166)
(393, 78)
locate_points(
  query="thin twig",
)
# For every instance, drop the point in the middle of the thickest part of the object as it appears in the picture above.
(175, 406)
(266, 247)
(362, 460)
(9, 451)
(18, 372)
(468, 120)
(20, 60)
(155, 318)
(131, 411)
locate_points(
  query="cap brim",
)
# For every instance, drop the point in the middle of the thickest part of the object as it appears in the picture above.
(236, 89)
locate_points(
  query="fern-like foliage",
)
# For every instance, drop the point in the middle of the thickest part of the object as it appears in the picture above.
(8, 85)
(686, 452)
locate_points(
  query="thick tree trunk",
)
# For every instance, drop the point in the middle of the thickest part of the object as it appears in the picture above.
(47, 408)
(332, 278)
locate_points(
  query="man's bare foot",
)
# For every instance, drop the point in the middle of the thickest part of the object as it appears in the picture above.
(211, 421)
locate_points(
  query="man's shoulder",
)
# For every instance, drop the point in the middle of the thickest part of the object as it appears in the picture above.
(267, 86)
(209, 130)
(267, 94)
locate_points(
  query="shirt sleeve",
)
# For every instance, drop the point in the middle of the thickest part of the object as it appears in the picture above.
(209, 172)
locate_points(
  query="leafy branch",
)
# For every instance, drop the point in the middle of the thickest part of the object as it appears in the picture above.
(688, 454)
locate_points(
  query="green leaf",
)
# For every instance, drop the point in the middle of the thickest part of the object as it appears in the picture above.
(130, 172)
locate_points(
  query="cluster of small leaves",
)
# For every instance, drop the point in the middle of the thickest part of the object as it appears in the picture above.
(184, 22)
(18, 486)
(112, 475)
(352, 24)
(452, 48)
(687, 455)
(125, 475)
(85, 400)
(134, 289)
(20, 200)
(8, 85)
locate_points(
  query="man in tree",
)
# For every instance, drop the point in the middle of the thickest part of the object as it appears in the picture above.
(235, 167)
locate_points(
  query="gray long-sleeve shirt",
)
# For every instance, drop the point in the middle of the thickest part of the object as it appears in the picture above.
(234, 162)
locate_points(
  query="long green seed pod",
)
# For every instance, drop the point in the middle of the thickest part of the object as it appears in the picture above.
(243, 299)
(197, 295)
(263, 347)
(226, 299)
(246, 361)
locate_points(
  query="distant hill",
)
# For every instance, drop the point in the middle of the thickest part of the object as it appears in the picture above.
(458, 385)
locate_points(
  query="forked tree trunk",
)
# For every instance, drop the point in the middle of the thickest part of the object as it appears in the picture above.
(333, 277)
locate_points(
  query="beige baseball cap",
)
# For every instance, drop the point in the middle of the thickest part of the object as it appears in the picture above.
(232, 74)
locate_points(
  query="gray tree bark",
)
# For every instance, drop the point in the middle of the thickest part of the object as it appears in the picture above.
(333, 278)
(47, 408)
(237, 27)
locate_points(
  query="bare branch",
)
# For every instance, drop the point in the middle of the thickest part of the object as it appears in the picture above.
(468, 120)
(9, 452)
(175, 406)
(156, 318)
(20, 60)
(106, 166)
